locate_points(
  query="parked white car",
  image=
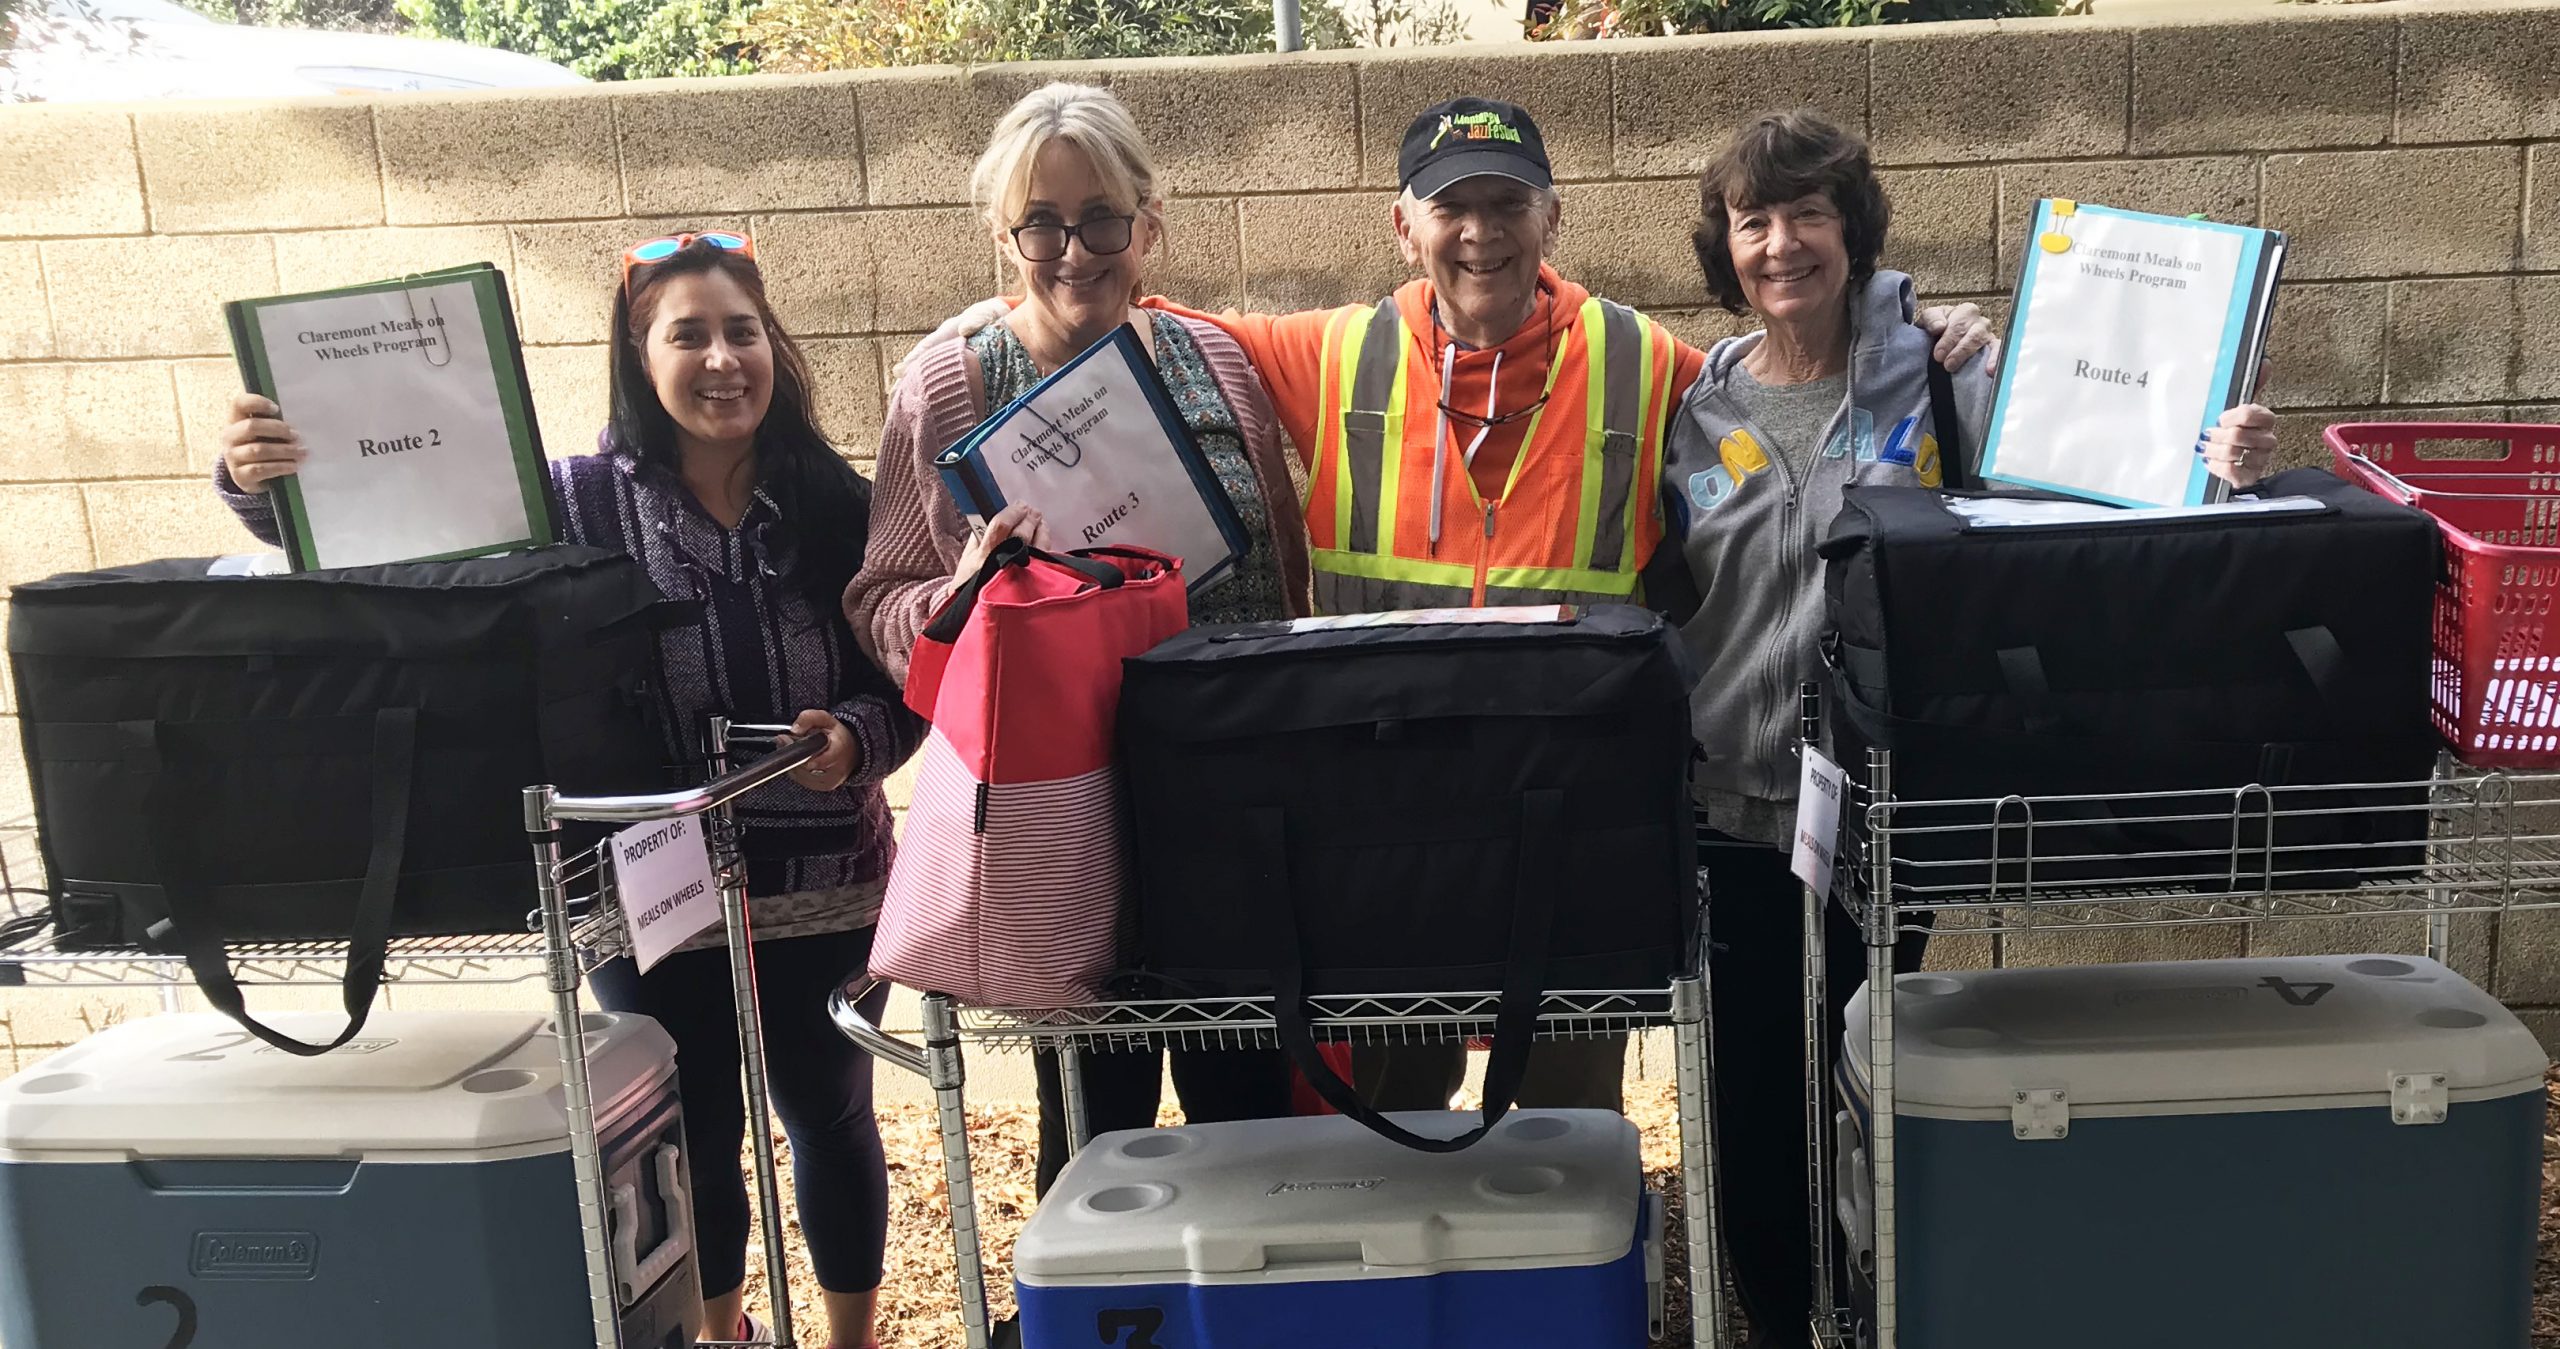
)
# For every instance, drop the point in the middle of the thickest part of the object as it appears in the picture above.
(129, 50)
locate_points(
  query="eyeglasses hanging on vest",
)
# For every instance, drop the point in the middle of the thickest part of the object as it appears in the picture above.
(1492, 417)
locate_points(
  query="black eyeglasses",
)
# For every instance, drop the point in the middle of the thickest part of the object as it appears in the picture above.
(1490, 417)
(1046, 241)
(1497, 419)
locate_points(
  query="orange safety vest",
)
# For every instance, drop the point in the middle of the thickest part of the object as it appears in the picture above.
(1370, 495)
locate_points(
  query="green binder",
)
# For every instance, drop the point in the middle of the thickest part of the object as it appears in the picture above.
(411, 400)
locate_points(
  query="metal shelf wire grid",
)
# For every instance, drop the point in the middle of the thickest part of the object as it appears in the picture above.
(2466, 841)
(1246, 1023)
(34, 954)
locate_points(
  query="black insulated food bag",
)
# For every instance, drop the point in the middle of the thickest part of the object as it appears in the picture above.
(328, 756)
(2202, 657)
(1368, 805)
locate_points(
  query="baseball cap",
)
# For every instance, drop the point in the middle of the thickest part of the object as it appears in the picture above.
(1466, 137)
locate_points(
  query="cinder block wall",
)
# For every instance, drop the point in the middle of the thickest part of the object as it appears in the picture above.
(2412, 150)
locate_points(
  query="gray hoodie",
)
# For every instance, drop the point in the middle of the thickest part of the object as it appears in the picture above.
(1748, 514)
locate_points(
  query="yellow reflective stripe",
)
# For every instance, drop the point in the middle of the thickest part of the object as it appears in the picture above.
(1561, 578)
(1391, 449)
(1642, 495)
(1376, 567)
(1346, 363)
(1458, 576)
(1595, 390)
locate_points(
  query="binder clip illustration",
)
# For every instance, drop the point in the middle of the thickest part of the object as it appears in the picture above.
(2058, 238)
(426, 351)
(1062, 448)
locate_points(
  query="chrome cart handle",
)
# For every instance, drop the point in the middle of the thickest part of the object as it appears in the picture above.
(692, 801)
(844, 1005)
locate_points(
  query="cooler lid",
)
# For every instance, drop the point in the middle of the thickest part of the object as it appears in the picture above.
(1557, 1187)
(2267, 1031)
(197, 1085)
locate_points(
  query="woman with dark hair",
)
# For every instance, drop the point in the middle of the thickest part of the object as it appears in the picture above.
(1833, 391)
(714, 475)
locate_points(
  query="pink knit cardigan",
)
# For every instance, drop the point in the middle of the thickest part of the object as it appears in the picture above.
(917, 534)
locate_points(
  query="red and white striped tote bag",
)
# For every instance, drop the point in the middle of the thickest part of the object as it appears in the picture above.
(1012, 869)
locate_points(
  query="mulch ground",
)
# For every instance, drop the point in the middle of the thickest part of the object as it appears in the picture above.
(917, 1300)
(2546, 1263)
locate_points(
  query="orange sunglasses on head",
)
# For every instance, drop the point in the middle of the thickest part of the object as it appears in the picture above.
(667, 246)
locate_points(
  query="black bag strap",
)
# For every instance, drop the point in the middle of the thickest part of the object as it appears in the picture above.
(672, 615)
(1537, 879)
(1955, 458)
(2324, 660)
(1863, 666)
(1112, 550)
(192, 933)
(946, 626)
(2022, 669)
(1102, 574)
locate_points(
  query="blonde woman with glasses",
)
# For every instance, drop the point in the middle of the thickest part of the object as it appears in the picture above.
(1068, 190)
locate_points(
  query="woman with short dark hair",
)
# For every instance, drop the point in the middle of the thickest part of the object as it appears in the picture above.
(1788, 157)
(1832, 391)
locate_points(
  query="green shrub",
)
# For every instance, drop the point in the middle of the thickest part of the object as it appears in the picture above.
(600, 39)
(1382, 23)
(10, 38)
(36, 37)
(1074, 30)
(358, 16)
(1934, 11)
(635, 39)
(803, 35)
(1647, 18)
(806, 35)
(851, 34)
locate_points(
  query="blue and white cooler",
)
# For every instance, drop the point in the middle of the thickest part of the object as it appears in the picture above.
(174, 1181)
(2290, 1153)
(1314, 1231)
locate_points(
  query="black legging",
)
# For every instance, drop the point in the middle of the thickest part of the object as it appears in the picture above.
(820, 1084)
(1755, 917)
(1122, 1089)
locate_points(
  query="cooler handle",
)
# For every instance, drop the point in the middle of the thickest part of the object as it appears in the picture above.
(638, 1276)
(1852, 1202)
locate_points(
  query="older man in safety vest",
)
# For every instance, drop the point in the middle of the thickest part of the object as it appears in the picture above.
(1489, 434)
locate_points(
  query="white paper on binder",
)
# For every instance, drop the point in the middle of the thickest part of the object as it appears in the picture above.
(2114, 373)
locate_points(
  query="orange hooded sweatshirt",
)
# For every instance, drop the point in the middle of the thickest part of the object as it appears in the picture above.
(1488, 512)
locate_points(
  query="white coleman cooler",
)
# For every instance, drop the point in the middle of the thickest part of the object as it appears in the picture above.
(1284, 1233)
(2292, 1153)
(174, 1181)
